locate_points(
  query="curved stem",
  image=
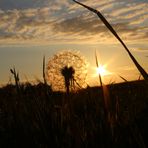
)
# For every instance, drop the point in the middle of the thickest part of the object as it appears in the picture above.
(103, 19)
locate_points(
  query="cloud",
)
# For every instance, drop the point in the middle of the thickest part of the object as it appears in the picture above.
(102, 5)
(140, 49)
(64, 21)
(141, 20)
(17, 4)
(128, 8)
(94, 27)
(25, 24)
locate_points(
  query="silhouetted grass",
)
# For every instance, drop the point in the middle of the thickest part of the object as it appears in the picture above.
(35, 118)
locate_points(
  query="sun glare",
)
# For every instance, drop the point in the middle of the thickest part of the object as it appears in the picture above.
(101, 70)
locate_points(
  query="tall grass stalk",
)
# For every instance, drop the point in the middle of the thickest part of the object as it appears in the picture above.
(16, 78)
(100, 79)
(47, 92)
(107, 117)
(105, 92)
(44, 76)
(108, 25)
(33, 122)
(123, 78)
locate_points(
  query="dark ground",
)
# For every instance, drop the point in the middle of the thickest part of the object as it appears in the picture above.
(35, 116)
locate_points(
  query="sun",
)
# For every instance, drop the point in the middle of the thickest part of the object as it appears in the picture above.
(101, 70)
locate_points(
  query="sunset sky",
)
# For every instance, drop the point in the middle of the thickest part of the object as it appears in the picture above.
(30, 29)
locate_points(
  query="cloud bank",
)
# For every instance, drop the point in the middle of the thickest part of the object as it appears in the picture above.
(54, 21)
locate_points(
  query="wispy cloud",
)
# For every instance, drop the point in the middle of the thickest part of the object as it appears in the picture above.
(128, 8)
(26, 24)
(64, 21)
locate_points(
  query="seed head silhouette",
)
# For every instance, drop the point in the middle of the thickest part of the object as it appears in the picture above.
(67, 70)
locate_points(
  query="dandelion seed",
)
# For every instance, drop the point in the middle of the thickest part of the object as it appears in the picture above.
(67, 61)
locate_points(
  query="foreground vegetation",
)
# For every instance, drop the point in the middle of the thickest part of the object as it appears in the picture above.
(35, 116)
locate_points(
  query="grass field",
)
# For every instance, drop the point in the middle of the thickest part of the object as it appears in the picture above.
(36, 116)
(77, 116)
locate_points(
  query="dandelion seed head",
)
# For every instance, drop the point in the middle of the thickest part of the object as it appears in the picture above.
(62, 59)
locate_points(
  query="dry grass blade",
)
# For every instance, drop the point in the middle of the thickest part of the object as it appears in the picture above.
(106, 96)
(139, 77)
(123, 78)
(96, 59)
(44, 77)
(100, 79)
(16, 78)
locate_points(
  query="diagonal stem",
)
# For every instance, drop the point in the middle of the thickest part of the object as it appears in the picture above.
(103, 19)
